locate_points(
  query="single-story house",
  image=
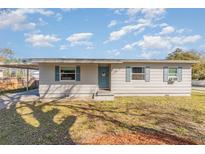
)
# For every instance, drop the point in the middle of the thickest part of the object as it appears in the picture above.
(60, 77)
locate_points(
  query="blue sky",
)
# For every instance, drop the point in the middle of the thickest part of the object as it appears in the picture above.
(101, 33)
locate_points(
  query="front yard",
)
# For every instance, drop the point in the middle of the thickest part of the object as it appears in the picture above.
(127, 120)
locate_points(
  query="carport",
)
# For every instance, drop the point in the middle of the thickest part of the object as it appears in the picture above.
(26, 66)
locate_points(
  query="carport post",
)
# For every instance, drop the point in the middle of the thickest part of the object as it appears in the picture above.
(27, 76)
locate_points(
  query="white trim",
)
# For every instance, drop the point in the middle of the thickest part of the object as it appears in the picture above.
(176, 73)
(71, 73)
(138, 73)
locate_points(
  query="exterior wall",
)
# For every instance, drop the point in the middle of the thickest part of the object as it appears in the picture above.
(156, 85)
(87, 85)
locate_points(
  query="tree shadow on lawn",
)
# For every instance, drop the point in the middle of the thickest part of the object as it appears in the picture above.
(27, 124)
(161, 134)
(33, 126)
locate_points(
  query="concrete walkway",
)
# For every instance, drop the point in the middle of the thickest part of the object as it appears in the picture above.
(6, 100)
(198, 88)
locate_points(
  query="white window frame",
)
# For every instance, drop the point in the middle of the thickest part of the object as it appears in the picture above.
(67, 73)
(138, 73)
(169, 76)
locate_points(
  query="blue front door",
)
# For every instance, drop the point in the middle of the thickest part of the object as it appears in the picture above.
(103, 77)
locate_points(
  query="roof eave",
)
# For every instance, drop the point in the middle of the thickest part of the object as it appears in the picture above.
(113, 61)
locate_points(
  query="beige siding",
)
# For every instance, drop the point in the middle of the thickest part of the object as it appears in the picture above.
(48, 87)
(156, 86)
(89, 81)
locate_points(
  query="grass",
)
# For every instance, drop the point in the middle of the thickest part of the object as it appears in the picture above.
(78, 122)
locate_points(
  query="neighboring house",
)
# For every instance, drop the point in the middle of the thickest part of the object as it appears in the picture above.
(61, 77)
(200, 83)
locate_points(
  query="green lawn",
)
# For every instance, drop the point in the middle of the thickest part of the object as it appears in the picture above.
(78, 122)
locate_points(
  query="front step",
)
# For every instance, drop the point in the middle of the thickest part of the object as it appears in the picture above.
(104, 95)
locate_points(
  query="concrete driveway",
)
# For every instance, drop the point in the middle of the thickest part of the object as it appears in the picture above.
(6, 100)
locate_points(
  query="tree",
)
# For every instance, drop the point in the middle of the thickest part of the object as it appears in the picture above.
(7, 56)
(198, 69)
(179, 54)
(6, 53)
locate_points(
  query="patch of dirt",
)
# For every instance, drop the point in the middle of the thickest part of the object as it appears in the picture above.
(137, 138)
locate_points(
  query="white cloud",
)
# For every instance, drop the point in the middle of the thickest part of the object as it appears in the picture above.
(42, 22)
(167, 30)
(133, 11)
(11, 19)
(40, 40)
(153, 13)
(180, 30)
(81, 39)
(153, 42)
(118, 11)
(78, 37)
(163, 42)
(126, 48)
(112, 23)
(117, 53)
(183, 30)
(30, 25)
(87, 44)
(152, 45)
(116, 35)
(163, 25)
(44, 12)
(129, 47)
(148, 13)
(138, 21)
(146, 54)
(181, 40)
(149, 16)
(58, 17)
(16, 19)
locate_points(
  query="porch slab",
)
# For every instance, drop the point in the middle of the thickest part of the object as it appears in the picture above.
(104, 98)
(104, 95)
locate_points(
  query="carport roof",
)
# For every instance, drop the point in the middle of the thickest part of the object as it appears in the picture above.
(20, 65)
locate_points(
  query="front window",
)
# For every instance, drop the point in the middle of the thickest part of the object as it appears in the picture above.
(67, 73)
(138, 73)
(172, 72)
